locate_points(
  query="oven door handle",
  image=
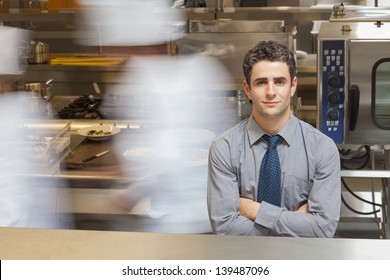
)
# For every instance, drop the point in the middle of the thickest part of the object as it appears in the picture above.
(353, 104)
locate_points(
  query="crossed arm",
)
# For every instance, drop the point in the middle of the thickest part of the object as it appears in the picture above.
(249, 208)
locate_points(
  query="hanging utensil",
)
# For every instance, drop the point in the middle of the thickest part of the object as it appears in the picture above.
(97, 88)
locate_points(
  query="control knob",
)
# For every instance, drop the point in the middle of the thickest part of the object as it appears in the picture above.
(333, 82)
(333, 115)
(333, 98)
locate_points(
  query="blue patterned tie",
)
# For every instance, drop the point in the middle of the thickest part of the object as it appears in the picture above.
(269, 189)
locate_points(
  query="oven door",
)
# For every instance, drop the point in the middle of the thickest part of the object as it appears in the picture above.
(368, 100)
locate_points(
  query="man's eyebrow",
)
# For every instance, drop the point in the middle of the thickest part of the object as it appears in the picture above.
(260, 79)
(274, 78)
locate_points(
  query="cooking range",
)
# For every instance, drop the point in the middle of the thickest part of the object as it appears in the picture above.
(83, 107)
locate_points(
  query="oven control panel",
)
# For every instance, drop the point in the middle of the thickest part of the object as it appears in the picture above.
(332, 82)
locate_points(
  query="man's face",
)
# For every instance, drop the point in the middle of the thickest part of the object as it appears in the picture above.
(271, 90)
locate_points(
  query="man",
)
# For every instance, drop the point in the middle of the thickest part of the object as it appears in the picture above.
(310, 195)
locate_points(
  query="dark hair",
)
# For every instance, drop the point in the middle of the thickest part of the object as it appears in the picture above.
(268, 51)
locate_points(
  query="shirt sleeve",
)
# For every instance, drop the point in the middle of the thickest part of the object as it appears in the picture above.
(223, 196)
(324, 200)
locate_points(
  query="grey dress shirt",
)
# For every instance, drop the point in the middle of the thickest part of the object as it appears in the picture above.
(310, 170)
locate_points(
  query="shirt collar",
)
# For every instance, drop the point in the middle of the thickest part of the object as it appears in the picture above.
(255, 132)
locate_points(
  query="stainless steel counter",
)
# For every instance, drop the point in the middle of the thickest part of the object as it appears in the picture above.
(28, 244)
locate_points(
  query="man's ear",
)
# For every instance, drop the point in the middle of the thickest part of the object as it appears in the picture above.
(247, 90)
(294, 84)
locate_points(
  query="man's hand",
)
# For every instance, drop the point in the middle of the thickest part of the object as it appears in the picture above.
(248, 208)
(304, 208)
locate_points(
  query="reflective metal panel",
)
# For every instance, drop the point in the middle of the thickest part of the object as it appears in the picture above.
(354, 97)
(265, 26)
(229, 41)
(381, 92)
(362, 14)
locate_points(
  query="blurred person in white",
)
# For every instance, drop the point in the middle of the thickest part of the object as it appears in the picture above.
(128, 23)
(25, 201)
(15, 199)
(310, 198)
(170, 97)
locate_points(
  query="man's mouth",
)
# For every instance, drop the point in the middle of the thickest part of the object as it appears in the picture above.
(271, 103)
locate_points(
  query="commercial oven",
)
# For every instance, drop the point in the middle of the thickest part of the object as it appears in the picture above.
(353, 94)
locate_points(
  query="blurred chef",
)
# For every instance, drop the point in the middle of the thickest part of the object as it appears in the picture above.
(25, 200)
(169, 96)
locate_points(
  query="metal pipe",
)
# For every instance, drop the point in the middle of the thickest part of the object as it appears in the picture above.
(219, 5)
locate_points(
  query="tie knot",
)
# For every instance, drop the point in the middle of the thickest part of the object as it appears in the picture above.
(272, 141)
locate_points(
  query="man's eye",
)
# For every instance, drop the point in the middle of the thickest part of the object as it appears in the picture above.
(280, 82)
(261, 82)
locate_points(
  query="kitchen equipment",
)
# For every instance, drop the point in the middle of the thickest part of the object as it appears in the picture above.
(4, 6)
(353, 94)
(243, 104)
(83, 107)
(96, 155)
(44, 5)
(360, 13)
(99, 132)
(42, 90)
(45, 145)
(39, 53)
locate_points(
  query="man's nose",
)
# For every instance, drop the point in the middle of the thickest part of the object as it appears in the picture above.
(271, 89)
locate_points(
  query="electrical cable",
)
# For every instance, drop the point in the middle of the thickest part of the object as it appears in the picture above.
(366, 156)
(356, 155)
(348, 153)
(356, 211)
(356, 196)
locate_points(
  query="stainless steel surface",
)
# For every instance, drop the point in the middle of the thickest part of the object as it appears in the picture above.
(301, 17)
(365, 173)
(370, 205)
(28, 244)
(366, 46)
(284, 12)
(59, 31)
(349, 58)
(42, 89)
(39, 52)
(236, 26)
(206, 38)
(363, 14)
(359, 31)
(34, 106)
(73, 80)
